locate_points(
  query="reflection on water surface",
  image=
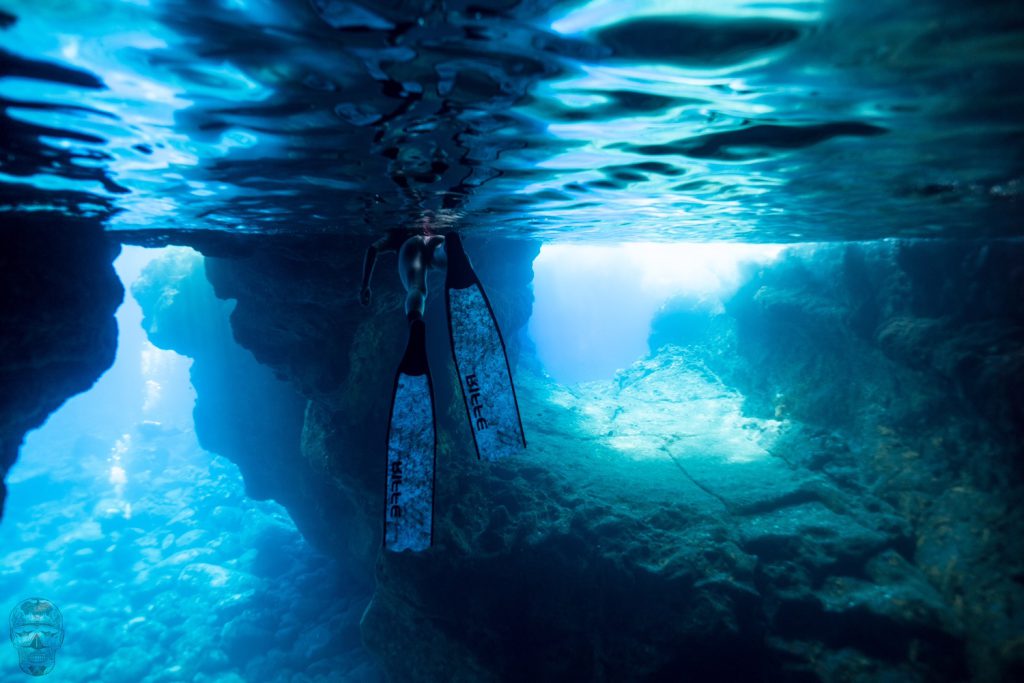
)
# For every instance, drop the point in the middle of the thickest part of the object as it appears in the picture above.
(609, 119)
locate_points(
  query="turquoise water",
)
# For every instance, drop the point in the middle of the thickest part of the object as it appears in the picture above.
(603, 120)
(755, 413)
(163, 567)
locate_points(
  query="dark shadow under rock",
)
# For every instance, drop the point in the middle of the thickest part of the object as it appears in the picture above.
(298, 313)
(57, 315)
(242, 411)
(902, 363)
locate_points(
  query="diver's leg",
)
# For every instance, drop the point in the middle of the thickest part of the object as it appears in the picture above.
(412, 269)
(438, 258)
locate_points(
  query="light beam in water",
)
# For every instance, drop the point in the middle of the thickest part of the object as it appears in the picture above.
(593, 304)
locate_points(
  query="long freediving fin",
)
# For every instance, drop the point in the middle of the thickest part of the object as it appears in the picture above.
(480, 359)
(409, 482)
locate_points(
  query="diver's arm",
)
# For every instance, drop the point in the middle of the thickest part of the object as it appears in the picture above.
(368, 261)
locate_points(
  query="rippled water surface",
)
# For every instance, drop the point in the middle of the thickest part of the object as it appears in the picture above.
(609, 119)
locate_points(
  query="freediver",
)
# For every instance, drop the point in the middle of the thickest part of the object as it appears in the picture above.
(480, 363)
(418, 251)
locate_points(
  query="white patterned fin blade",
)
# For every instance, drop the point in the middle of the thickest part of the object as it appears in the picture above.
(484, 374)
(408, 512)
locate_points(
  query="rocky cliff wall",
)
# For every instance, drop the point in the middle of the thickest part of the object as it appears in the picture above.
(902, 363)
(783, 491)
(815, 484)
(57, 327)
(295, 308)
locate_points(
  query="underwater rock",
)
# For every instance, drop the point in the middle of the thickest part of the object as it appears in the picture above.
(148, 572)
(329, 441)
(126, 665)
(900, 364)
(246, 633)
(60, 296)
(816, 485)
(298, 313)
(242, 410)
(770, 501)
(297, 310)
(889, 623)
(614, 561)
(869, 321)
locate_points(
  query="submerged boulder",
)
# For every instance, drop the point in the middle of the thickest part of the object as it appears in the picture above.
(610, 552)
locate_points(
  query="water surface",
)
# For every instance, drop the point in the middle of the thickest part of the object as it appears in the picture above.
(602, 120)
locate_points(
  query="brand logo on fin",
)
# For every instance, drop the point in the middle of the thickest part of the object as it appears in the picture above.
(395, 494)
(476, 408)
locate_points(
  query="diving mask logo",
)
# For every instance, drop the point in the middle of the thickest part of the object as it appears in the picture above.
(37, 632)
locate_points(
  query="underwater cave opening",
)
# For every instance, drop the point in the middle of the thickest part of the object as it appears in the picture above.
(594, 304)
(120, 517)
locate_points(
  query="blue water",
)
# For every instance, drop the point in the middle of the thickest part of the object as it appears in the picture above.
(666, 156)
(603, 120)
(163, 568)
(594, 304)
